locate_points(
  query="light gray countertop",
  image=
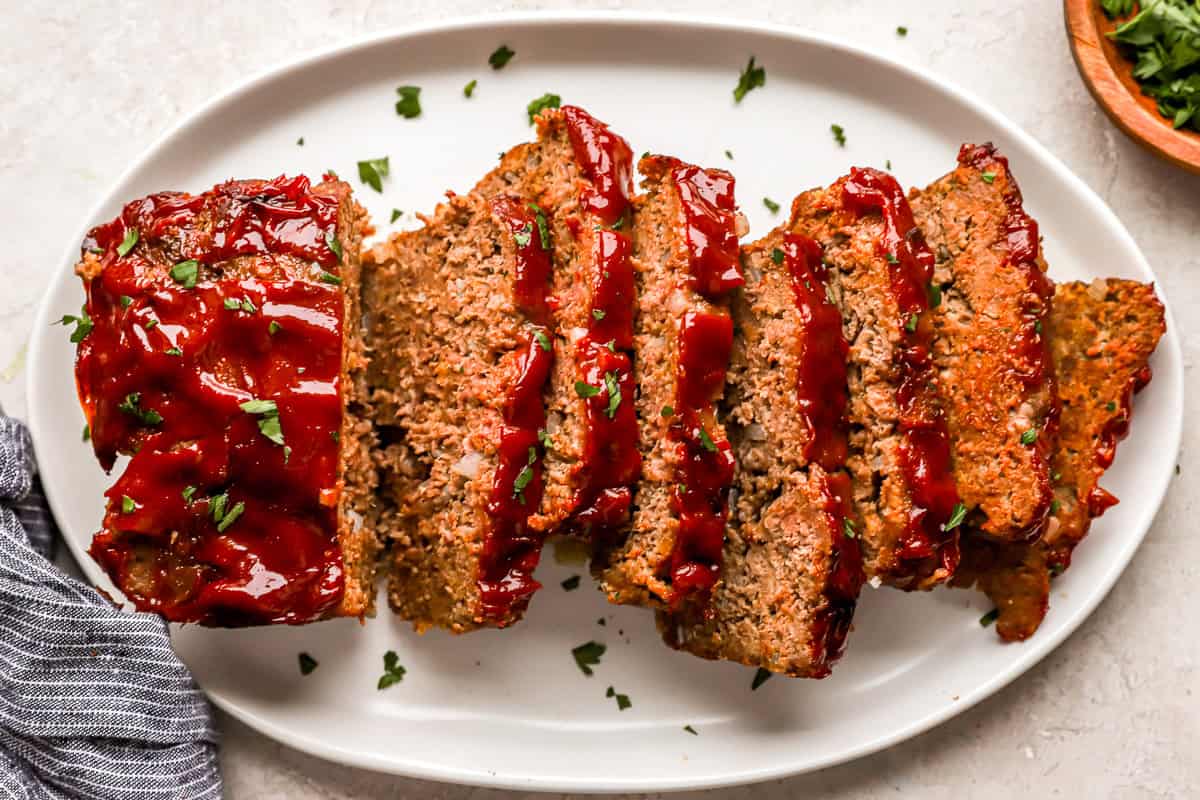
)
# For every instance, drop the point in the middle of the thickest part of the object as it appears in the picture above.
(1113, 713)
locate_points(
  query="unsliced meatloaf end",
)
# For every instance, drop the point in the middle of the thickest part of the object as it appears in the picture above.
(900, 463)
(222, 354)
(457, 373)
(792, 566)
(685, 231)
(578, 173)
(1101, 336)
(991, 299)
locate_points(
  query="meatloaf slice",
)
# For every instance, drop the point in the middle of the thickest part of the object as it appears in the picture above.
(461, 354)
(991, 298)
(792, 567)
(685, 232)
(579, 173)
(219, 349)
(1101, 337)
(879, 271)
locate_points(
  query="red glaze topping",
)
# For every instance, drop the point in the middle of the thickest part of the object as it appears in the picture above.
(1030, 351)
(925, 448)
(710, 221)
(706, 464)
(606, 161)
(171, 391)
(611, 460)
(1114, 430)
(511, 548)
(822, 397)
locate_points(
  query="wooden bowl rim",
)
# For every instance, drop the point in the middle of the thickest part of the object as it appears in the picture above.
(1146, 127)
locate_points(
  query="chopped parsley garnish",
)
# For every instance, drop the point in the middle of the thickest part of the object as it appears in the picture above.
(127, 504)
(186, 272)
(173, 351)
(1111, 406)
(839, 134)
(598, 314)
(623, 701)
(131, 405)
(469, 89)
(524, 476)
(87, 433)
(752, 77)
(126, 301)
(329, 277)
(771, 205)
(230, 516)
(848, 528)
(232, 304)
(150, 324)
(902, 31)
(544, 439)
(1163, 40)
(667, 411)
(409, 104)
(777, 256)
(911, 325)
(393, 673)
(1055, 505)
(935, 295)
(188, 493)
(891, 258)
(587, 656)
(307, 663)
(83, 324)
(988, 177)
(273, 327)
(334, 245)
(1029, 436)
(300, 142)
(524, 236)
(396, 214)
(259, 407)
(571, 583)
(586, 390)
(543, 227)
(131, 239)
(760, 677)
(543, 340)
(614, 394)
(956, 517)
(690, 730)
(888, 164)
(501, 56)
(537, 105)
(216, 506)
(990, 617)
(1037, 326)
(729, 154)
(373, 171)
(268, 418)
(1056, 570)
(707, 442)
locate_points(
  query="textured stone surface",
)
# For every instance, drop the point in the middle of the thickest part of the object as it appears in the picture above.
(1113, 713)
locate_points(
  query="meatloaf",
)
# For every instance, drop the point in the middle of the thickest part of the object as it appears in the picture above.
(792, 566)
(990, 298)
(460, 358)
(1101, 337)
(879, 270)
(218, 350)
(685, 232)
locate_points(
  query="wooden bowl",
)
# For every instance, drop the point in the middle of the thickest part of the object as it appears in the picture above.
(1108, 75)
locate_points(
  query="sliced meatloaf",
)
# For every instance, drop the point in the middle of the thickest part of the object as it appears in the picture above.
(1101, 337)
(991, 298)
(792, 567)
(685, 232)
(461, 356)
(578, 173)
(879, 272)
(218, 350)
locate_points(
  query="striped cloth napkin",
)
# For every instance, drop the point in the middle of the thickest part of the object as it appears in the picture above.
(94, 703)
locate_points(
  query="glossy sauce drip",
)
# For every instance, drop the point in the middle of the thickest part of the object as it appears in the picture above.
(710, 221)
(171, 393)
(1113, 431)
(925, 446)
(822, 397)
(1030, 350)
(606, 161)
(531, 252)
(610, 462)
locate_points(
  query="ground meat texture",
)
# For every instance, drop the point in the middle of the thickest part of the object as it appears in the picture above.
(876, 329)
(791, 571)
(995, 373)
(1101, 337)
(270, 238)
(447, 338)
